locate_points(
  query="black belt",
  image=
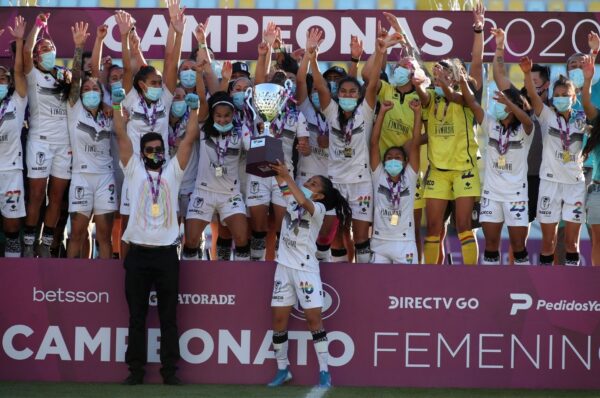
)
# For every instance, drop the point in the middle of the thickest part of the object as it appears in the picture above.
(151, 248)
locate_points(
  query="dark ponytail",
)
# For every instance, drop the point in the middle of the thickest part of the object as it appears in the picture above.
(334, 200)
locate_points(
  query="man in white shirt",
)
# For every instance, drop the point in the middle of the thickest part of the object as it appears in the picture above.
(152, 233)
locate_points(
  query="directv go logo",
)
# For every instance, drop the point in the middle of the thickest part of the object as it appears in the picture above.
(524, 301)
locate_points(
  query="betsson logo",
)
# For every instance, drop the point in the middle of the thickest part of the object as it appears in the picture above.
(524, 301)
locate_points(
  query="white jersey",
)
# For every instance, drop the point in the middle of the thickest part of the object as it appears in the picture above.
(144, 118)
(568, 170)
(287, 128)
(298, 240)
(12, 114)
(218, 169)
(176, 134)
(393, 217)
(349, 161)
(318, 161)
(143, 228)
(47, 109)
(90, 140)
(505, 181)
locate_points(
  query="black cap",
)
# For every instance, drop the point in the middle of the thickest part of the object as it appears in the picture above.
(241, 67)
(335, 69)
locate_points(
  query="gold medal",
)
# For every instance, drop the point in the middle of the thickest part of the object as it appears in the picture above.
(155, 210)
(348, 152)
(501, 161)
(566, 156)
(394, 219)
(219, 171)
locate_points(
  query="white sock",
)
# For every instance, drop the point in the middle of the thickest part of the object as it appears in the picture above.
(321, 345)
(281, 349)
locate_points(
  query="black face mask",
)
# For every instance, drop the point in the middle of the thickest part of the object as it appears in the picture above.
(154, 163)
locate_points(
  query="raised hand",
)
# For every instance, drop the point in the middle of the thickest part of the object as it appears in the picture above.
(313, 39)
(19, 31)
(263, 48)
(380, 46)
(499, 36)
(227, 70)
(393, 39)
(124, 22)
(303, 147)
(134, 40)
(101, 31)
(200, 32)
(356, 47)
(381, 31)
(526, 64)
(478, 15)
(192, 100)
(386, 106)
(393, 21)
(500, 98)
(118, 95)
(271, 33)
(415, 105)
(179, 22)
(587, 65)
(280, 168)
(80, 33)
(594, 41)
(106, 62)
(42, 20)
(175, 10)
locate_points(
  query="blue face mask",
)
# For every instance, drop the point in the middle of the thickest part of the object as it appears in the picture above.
(178, 108)
(223, 129)
(217, 68)
(562, 104)
(153, 93)
(439, 91)
(333, 87)
(3, 91)
(116, 85)
(238, 99)
(91, 99)
(315, 100)
(393, 167)
(499, 111)
(401, 76)
(188, 78)
(348, 104)
(576, 76)
(307, 192)
(48, 60)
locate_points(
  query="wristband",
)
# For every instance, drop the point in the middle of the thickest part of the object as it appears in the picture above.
(285, 190)
(477, 30)
(116, 107)
(278, 50)
(39, 23)
(355, 60)
(202, 46)
(499, 48)
(594, 52)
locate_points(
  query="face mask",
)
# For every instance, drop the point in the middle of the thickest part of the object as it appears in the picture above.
(154, 161)
(400, 77)
(223, 128)
(393, 167)
(333, 88)
(188, 78)
(307, 192)
(178, 108)
(576, 76)
(439, 91)
(238, 99)
(348, 104)
(499, 111)
(315, 100)
(91, 99)
(116, 85)
(153, 93)
(216, 67)
(562, 104)
(3, 91)
(48, 60)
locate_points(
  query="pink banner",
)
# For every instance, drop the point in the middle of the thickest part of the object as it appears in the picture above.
(547, 37)
(389, 325)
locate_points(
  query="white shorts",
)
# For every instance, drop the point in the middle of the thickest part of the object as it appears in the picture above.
(292, 286)
(124, 208)
(44, 159)
(92, 193)
(558, 201)
(592, 204)
(360, 197)
(12, 194)
(513, 214)
(394, 252)
(263, 191)
(204, 204)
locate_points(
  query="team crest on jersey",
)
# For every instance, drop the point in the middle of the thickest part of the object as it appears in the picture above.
(235, 138)
(409, 258)
(40, 158)
(254, 186)
(198, 202)
(79, 191)
(545, 203)
(277, 286)
(485, 202)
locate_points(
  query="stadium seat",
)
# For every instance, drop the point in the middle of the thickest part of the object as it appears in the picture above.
(247, 4)
(227, 4)
(533, 5)
(108, 3)
(344, 4)
(326, 4)
(594, 6)
(516, 5)
(385, 5)
(363, 4)
(556, 5)
(127, 4)
(146, 3)
(68, 3)
(188, 3)
(423, 5)
(576, 6)
(286, 4)
(495, 5)
(305, 4)
(209, 4)
(406, 5)
(265, 4)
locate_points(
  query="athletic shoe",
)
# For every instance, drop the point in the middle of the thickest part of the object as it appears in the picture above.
(28, 251)
(324, 379)
(172, 380)
(133, 380)
(282, 376)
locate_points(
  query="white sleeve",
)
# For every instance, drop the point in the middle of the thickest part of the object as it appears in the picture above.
(545, 117)
(411, 175)
(21, 102)
(331, 112)
(302, 130)
(306, 107)
(367, 112)
(167, 98)
(130, 99)
(177, 170)
(319, 212)
(132, 165)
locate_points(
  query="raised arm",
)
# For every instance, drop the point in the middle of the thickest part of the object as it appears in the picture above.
(80, 36)
(536, 102)
(373, 82)
(594, 43)
(374, 155)
(101, 33)
(414, 156)
(265, 51)
(502, 82)
(120, 126)
(19, 76)
(203, 57)
(201, 91)
(41, 22)
(226, 72)
(470, 100)
(285, 181)
(476, 71)
(519, 113)
(312, 48)
(586, 91)
(172, 57)
(125, 24)
(135, 51)
(301, 87)
(449, 92)
(192, 131)
(356, 51)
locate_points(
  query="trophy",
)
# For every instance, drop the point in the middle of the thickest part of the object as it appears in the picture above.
(269, 100)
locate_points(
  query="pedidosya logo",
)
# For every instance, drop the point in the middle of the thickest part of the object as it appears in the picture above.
(331, 303)
(524, 302)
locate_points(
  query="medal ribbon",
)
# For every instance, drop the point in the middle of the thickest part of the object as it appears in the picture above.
(150, 113)
(154, 190)
(394, 192)
(565, 137)
(222, 151)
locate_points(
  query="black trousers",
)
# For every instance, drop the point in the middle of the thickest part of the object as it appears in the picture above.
(145, 268)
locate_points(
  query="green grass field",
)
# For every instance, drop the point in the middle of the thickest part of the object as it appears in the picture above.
(85, 390)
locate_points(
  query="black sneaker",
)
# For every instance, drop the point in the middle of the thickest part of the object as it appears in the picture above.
(172, 380)
(133, 380)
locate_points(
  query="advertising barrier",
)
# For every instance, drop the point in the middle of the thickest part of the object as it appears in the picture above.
(388, 325)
